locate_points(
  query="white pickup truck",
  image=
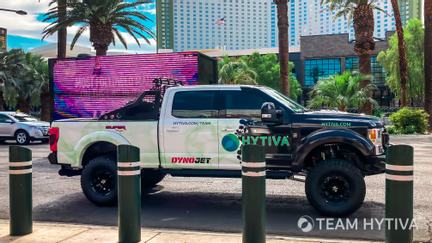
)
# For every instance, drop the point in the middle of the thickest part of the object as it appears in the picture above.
(192, 132)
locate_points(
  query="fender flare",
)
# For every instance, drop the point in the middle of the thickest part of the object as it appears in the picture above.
(320, 137)
(100, 136)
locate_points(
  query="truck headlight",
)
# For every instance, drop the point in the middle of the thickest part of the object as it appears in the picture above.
(375, 135)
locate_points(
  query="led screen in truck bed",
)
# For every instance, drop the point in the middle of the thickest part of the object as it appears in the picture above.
(88, 87)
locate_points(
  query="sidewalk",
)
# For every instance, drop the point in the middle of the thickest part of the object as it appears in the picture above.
(51, 232)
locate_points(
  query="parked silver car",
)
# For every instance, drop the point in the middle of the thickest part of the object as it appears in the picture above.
(22, 127)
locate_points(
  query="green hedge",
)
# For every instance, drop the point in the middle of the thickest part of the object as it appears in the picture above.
(409, 121)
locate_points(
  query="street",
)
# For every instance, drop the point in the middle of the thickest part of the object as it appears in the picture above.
(214, 204)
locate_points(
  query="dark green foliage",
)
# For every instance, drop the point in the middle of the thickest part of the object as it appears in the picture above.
(267, 72)
(341, 91)
(409, 121)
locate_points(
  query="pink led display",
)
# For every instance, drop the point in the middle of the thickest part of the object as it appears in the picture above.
(87, 88)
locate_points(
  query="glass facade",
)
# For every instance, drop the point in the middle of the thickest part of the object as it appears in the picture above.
(352, 64)
(378, 75)
(316, 69)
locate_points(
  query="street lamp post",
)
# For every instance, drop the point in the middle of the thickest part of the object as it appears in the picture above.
(20, 12)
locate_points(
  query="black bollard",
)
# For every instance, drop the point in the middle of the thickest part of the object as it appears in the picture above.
(253, 193)
(20, 190)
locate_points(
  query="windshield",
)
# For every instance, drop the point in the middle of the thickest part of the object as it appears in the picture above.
(296, 107)
(24, 117)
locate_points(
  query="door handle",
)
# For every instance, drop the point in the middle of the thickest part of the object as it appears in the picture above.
(173, 129)
(228, 130)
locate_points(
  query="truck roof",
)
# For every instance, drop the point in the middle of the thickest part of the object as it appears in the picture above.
(215, 87)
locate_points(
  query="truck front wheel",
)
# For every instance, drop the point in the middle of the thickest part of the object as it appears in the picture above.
(99, 181)
(335, 188)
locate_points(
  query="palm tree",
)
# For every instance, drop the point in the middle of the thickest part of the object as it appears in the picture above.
(282, 15)
(105, 19)
(428, 58)
(38, 68)
(362, 15)
(402, 53)
(11, 66)
(62, 32)
(237, 73)
(341, 92)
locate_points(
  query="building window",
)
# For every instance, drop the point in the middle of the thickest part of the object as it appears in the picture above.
(316, 69)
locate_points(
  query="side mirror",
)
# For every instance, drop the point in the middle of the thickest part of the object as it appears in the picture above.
(9, 121)
(269, 114)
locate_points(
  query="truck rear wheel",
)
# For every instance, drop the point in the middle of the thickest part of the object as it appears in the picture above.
(150, 178)
(335, 188)
(99, 181)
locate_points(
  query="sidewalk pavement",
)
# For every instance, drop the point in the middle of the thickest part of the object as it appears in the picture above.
(71, 233)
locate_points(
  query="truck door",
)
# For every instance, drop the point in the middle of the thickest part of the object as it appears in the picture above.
(190, 130)
(246, 103)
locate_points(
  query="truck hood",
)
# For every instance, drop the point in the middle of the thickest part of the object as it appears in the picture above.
(329, 118)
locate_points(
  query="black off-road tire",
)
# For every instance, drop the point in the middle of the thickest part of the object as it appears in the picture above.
(22, 137)
(335, 188)
(99, 181)
(150, 178)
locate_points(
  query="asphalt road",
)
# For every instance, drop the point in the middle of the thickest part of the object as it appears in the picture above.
(214, 204)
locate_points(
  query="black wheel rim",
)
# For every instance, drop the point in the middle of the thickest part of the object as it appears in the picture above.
(103, 182)
(335, 188)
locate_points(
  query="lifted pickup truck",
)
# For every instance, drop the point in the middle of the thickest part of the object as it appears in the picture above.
(193, 130)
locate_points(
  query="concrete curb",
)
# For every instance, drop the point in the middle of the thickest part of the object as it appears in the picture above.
(70, 233)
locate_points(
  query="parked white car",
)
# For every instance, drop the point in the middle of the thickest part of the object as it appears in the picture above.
(22, 128)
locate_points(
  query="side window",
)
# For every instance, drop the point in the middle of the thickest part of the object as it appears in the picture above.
(243, 104)
(3, 118)
(195, 104)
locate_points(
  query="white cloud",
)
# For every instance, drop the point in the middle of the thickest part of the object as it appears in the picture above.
(28, 25)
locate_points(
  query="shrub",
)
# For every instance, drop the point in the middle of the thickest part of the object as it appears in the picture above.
(409, 121)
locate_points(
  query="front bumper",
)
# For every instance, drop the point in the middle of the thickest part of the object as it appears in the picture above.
(37, 134)
(375, 164)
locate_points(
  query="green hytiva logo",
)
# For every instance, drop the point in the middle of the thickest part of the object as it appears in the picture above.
(266, 140)
(231, 142)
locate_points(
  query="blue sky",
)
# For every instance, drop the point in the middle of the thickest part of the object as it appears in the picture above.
(25, 31)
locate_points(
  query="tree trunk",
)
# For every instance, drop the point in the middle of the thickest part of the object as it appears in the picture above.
(24, 105)
(403, 72)
(363, 19)
(61, 33)
(45, 106)
(282, 15)
(101, 36)
(428, 59)
(2, 102)
(101, 50)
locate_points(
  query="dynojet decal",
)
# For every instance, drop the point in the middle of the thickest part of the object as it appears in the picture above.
(190, 160)
(336, 124)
